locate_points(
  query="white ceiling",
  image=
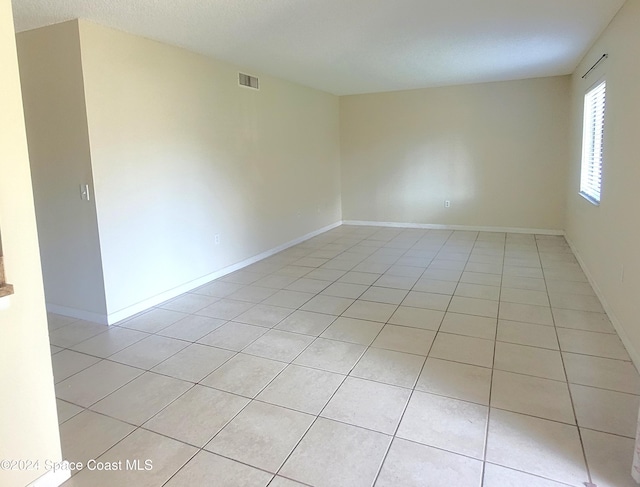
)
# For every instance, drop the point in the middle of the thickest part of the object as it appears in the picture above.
(358, 46)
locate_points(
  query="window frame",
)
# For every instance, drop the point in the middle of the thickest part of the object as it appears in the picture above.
(593, 131)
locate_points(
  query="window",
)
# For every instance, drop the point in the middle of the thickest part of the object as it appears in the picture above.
(592, 138)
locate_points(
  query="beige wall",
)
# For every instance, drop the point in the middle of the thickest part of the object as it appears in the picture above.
(28, 421)
(55, 113)
(181, 153)
(497, 151)
(607, 237)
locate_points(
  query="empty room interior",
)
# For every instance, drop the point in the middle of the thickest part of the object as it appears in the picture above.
(323, 243)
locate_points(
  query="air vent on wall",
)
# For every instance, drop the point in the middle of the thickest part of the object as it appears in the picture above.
(248, 81)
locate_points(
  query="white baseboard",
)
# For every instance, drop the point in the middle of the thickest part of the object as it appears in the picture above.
(633, 353)
(434, 226)
(52, 479)
(78, 313)
(129, 311)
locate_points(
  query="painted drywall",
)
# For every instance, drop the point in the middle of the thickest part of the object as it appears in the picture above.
(28, 419)
(607, 237)
(180, 153)
(55, 114)
(497, 151)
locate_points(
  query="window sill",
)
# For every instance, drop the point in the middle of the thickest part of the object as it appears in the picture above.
(589, 199)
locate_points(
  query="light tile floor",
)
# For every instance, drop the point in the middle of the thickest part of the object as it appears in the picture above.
(364, 356)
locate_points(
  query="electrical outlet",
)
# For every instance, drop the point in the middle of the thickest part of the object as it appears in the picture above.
(216, 239)
(447, 204)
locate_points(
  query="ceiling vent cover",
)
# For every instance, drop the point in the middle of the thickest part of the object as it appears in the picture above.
(248, 81)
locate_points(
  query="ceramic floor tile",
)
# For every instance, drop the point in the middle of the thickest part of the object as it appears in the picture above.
(192, 328)
(263, 315)
(458, 348)
(306, 322)
(194, 362)
(521, 271)
(446, 423)
(345, 290)
(484, 268)
(527, 313)
(352, 404)
(333, 453)
(153, 321)
(67, 362)
(307, 285)
(389, 367)
(141, 398)
(536, 446)
(167, 457)
(530, 283)
(252, 294)
(384, 295)
(283, 482)
(218, 289)
(288, 299)
(227, 473)
(262, 435)
(302, 388)
(469, 325)
(575, 301)
(66, 410)
(524, 296)
(233, 336)
(590, 343)
(474, 306)
(197, 415)
(149, 351)
(411, 464)
(480, 278)
(55, 321)
(225, 309)
(527, 334)
(609, 458)
(582, 320)
(95, 382)
(88, 435)
(426, 285)
(570, 287)
(327, 304)
(497, 476)
(459, 381)
(279, 345)
(353, 330)
(326, 274)
(479, 291)
(604, 373)
(533, 361)
(538, 397)
(243, 374)
(606, 411)
(427, 319)
(74, 333)
(442, 274)
(275, 281)
(331, 355)
(434, 301)
(365, 278)
(111, 341)
(188, 303)
(396, 282)
(404, 339)
(367, 310)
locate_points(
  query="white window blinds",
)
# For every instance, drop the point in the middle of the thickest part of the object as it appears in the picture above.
(593, 135)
